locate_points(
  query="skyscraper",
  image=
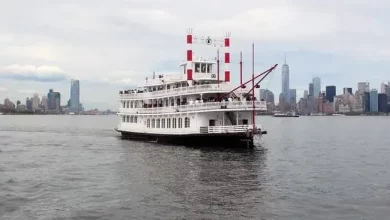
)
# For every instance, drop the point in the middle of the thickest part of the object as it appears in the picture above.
(347, 90)
(305, 94)
(35, 102)
(74, 95)
(311, 89)
(267, 96)
(384, 88)
(366, 102)
(316, 86)
(363, 87)
(382, 102)
(54, 101)
(286, 81)
(374, 100)
(330, 93)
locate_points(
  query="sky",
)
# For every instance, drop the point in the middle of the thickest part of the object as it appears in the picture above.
(113, 45)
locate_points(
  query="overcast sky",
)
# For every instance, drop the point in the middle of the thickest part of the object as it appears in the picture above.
(115, 44)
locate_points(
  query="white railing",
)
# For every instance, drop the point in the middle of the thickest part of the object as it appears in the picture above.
(181, 91)
(239, 105)
(226, 129)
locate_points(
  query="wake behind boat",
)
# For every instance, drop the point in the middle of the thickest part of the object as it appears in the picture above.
(198, 107)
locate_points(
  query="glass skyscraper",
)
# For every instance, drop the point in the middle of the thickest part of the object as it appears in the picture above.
(286, 82)
(316, 86)
(75, 95)
(330, 93)
(374, 100)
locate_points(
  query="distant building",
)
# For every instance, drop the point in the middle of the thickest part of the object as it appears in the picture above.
(384, 88)
(366, 102)
(44, 104)
(267, 96)
(305, 94)
(330, 93)
(28, 104)
(363, 87)
(35, 102)
(54, 101)
(8, 104)
(74, 95)
(311, 89)
(316, 86)
(347, 90)
(382, 103)
(286, 81)
(374, 100)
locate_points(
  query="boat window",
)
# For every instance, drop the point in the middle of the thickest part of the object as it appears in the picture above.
(128, 118)
(211, 122)
(135, 119)
(131, 104)
(148, 123)
(244, 121)
(180, 124)
(163, 123)
(203, 68)
(197, 67)
(168, 123)
(158, 123)
(187, 122)
(153, 123)
(168, 86)
(124, 105)
(174, 123)
(127, 104)
(209, 68)
(131, 119)
(123, 118)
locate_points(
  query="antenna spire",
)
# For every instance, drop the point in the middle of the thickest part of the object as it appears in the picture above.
(285, 58)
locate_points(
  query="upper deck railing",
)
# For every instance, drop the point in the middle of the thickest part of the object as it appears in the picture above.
(180, 91)
(208, 106)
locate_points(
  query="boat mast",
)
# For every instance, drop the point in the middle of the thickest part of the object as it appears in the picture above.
(253, 87)
(241, 68)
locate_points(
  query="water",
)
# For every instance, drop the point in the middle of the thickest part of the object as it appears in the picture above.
(76, 167)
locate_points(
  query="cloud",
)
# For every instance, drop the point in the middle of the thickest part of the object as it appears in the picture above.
(42, 73)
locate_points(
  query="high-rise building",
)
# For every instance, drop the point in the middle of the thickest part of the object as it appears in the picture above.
(383, 87)
(347, 90)
(388, 94)
(54, 100)
(74, 95)
(293, 94)
(305, 94)
(35, 102)
(363, 87)
(311, 89)
(366, 102)
(44, 103)
(286, 81)
(382, 102)
(374, 100)
(267, 96)
(330, 93)
(316, 86)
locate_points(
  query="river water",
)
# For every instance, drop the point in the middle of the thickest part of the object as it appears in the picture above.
(77, 167)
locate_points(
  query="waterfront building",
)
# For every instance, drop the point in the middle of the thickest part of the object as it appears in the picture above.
(382, 103)
(305, 94)
(330, 93)
(286, 81)
(347, 90)
(311, 89)
(374, 100)
(54, 101)
(35, 102)
(363, 87)
(384, 88)
(366, 102)
(74, 95)
(28, 104)
(44, 103)
(267, 95)
(316, 86)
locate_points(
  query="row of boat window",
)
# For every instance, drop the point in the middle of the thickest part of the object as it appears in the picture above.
(168, 123)
(129, 119)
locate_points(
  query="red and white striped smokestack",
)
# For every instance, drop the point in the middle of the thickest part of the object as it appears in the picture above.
(189, 56)
(227, 58)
